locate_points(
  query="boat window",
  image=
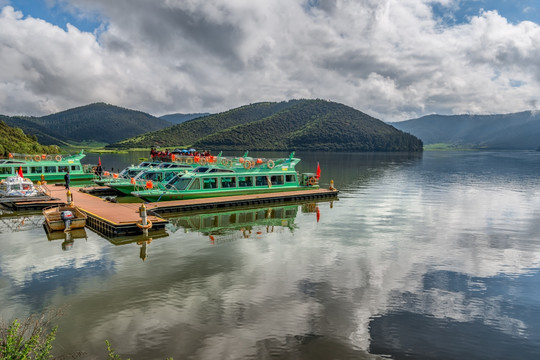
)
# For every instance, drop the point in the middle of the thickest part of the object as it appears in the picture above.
(209, 183)
(245, 181)
(261, 181)
(276, 179)
(49, 169)
(228, 182)
(290, 178)
(36, 169)
(153, 175)
(6, 170)
(196, 185)
(62, 168)
(75, 168)
(144, 164)
(168, 176)
(182, 183)
(201, 169)
(221, 171)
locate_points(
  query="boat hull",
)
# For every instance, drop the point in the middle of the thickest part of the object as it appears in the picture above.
(160, 195)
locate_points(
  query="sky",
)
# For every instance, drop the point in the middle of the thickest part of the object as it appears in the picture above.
(392, 59)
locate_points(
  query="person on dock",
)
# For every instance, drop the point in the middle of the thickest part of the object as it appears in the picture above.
(66, 179)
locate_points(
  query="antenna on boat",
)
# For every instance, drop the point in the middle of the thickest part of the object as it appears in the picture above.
(291, 156)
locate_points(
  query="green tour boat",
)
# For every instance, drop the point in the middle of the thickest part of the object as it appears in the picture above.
(148, 178)
(46, 167)
(239, 177)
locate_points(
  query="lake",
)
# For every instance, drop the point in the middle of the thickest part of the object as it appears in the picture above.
(423, 256)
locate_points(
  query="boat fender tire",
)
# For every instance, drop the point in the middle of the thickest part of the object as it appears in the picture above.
(58, 157)
(144, 227)
(270, 164)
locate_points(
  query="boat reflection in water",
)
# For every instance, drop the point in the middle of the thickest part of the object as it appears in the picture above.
(67, 237)
(241, 223)
(11, 221)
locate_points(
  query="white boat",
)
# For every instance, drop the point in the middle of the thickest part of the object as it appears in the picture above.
(16, 186)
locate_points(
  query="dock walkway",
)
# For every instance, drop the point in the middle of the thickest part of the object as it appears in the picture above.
(119, 219)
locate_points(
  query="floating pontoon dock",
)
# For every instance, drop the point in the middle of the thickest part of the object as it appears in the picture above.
(119, 219)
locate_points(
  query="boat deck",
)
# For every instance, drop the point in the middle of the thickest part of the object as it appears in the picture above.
(118, 219)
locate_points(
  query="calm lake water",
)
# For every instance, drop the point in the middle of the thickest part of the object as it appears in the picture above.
(430, 256)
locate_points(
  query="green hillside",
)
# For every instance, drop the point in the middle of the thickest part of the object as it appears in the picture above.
(504, 131)
(14, 140)
(96, 122)
(295, 124)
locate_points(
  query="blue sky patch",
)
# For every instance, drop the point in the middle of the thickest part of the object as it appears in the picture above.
(514, 11)
(58, 14)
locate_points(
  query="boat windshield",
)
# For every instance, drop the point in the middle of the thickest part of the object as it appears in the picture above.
(178, 183)
(201, 169)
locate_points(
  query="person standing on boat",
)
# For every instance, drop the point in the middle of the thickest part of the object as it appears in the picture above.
(66, 179)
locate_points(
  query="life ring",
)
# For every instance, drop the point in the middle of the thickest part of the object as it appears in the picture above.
(28, 158)
(49, 157)
(312, 181)
(37, 158)
(224, 161)
(202, 161)
(270, 164)
(189, 161)
(144, 227)
(229, 164)
(58, 157)
(247, 164)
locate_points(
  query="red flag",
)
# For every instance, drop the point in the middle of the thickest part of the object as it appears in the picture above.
(99, 161)
(318, 175)
(20, 173)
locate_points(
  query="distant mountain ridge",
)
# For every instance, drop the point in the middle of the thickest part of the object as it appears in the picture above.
(294, 124)
(504, 131)
(95, 122)
(180, 118)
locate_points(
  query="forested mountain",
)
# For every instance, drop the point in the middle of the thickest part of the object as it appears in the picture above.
(294, 124)
(96, 122)
(13, 140)
(180, 118)
(508, 131)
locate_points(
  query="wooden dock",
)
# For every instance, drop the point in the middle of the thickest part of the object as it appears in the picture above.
(114, 219)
